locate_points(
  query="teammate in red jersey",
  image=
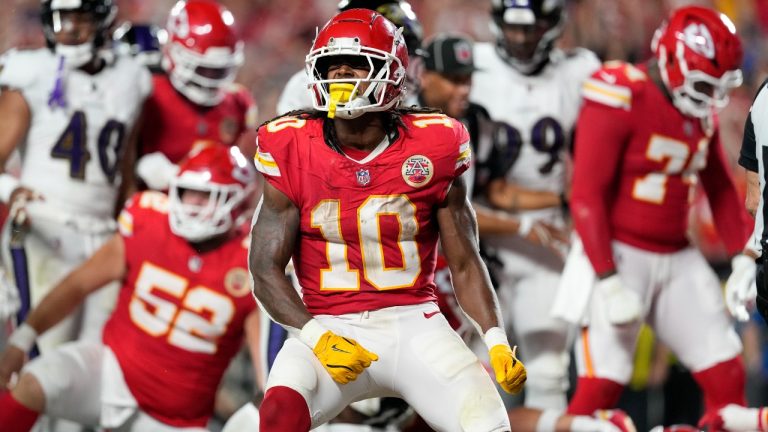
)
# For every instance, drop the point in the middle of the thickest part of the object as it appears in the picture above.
(196, 98)
(183, 310)
(358, 199)
(646, 135)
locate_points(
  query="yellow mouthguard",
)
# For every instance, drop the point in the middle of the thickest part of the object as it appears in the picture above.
(340, 92)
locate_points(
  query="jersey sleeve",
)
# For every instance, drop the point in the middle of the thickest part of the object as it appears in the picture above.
(748, 155)
(582, 63)
(16, 69)
(247, 105)
(144, 77)
(276, 155)
(295, 95)
(133, 219)
(728, 213)
(614, 85)
(464, 158)
(602, 133)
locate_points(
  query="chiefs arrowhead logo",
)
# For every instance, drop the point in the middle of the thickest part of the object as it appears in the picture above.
(698, 39)
(237, 282)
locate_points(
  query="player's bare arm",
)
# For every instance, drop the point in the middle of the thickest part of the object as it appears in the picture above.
(106, 265)
(494, 222)
(252, 332)
(753, 192)
(509, 196)
(15, 119)
(128, 180)
(458, 235)
(272, 241)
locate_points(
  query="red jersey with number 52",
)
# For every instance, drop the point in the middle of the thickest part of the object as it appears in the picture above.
(368, 233)
(636, 161)
(180, 314)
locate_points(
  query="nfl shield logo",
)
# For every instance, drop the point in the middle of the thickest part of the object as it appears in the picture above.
(363, 177)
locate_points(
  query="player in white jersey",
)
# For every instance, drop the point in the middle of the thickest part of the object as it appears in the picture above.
(533, 91)
(69, 110)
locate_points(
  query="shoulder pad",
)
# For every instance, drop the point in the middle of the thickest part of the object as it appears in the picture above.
(582, 59)
(447, 131)
(131, 69)
(141, 203)
(614, 84)
(273, 139)
(240, 92)
(20, 68)
(759, 108)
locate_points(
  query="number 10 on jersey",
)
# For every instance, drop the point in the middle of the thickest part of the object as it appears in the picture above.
(339, 275)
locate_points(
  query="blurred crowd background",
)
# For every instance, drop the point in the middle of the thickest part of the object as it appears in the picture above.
(278, 34)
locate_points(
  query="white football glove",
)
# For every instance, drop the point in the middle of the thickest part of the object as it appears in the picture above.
(622, 304)
(9, 298)
(156, 170)
(244, 419)
(740, 289)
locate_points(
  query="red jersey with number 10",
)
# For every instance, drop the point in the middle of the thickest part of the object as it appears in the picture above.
(368, 233)
(180, 314)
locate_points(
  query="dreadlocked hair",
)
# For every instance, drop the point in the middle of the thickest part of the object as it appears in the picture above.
(300, 113)
(392, 123)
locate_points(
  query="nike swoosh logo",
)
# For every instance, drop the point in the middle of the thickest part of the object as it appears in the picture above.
(337, 349)
(333, 366)
(431, 314)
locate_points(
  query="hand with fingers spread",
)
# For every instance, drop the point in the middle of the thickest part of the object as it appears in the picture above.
(510, 372)
(342, 357)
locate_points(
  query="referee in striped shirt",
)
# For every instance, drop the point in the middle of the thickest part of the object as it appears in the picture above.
(753, 157)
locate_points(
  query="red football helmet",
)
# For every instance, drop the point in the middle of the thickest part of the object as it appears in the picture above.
(699, 56)
(203, 53)
(364, 33)
(230, 181)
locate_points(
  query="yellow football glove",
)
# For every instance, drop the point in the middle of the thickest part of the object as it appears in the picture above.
(510, 372)
(342, 357)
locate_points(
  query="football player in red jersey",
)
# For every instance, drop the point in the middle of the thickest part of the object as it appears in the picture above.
(196, 98)
(183, 310)
(646, 135)
(357, 194)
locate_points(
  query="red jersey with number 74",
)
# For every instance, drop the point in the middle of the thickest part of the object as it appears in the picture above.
(637, 159)
(368, 230)
(180, 314)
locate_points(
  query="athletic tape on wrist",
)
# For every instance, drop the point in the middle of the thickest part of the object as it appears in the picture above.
(311, 333)
(23, 337)
(8, 184)
(495, 336)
